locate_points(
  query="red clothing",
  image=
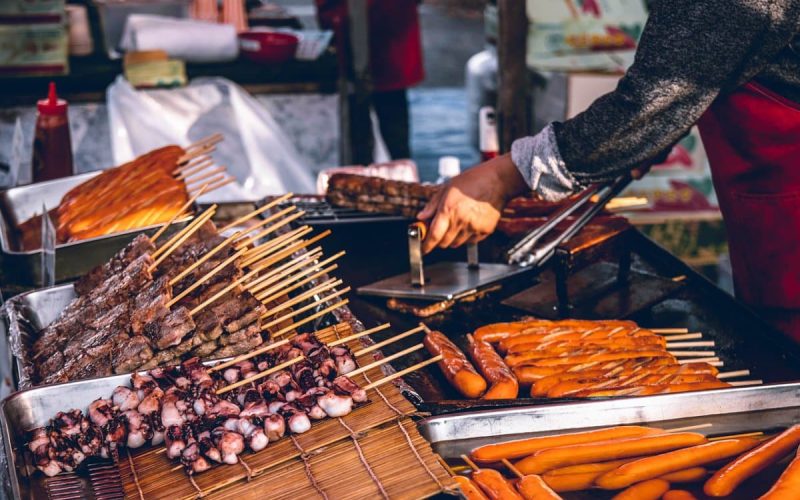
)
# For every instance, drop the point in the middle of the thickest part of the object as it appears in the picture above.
(752, 138)
(395, 47)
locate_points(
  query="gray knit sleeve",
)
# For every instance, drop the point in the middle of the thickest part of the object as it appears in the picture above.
(538, 160)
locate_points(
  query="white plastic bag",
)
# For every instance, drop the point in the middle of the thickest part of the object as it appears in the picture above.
(255, 150)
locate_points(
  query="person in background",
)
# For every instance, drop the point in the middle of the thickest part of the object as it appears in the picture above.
(395, 58)
(731, 67)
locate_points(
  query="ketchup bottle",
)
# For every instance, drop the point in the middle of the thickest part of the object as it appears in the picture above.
(52, 146)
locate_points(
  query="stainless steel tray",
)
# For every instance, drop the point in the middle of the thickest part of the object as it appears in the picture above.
(730, 411)
(19, 204)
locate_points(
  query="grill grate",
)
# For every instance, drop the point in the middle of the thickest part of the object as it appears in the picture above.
(105, 481)
(318, 210)
(65, 486)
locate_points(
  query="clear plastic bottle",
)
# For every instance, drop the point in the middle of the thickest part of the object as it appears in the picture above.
(449, 167)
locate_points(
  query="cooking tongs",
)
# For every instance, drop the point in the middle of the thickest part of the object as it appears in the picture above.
(526, 253)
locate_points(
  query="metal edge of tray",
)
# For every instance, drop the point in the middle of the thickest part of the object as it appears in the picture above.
(627, 411)
(72, 259)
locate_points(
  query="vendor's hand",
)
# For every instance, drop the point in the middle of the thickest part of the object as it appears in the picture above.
(468, 207)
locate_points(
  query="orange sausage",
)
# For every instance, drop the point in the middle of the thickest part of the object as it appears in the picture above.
(646, 490)
(533, 487)
(787, 485)
(551, 458)
(655, 341)
(528, 374)
(470, 490)
(572, 335)
(596, 467)
(664, 463)
(455, 366)
(728, 478)
(561, 480)
(503, 383)
(653, 389)
(678, 495)
(691, 475)
(589, 357)
(570, 482)
(523, 447)
(643, 379)
(494, 485)
(531, 356)
(499, 331)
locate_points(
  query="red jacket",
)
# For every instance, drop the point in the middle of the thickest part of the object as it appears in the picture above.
(395, 48)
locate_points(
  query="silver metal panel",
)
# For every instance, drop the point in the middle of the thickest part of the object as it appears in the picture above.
(729, 411)
(72, 259)
(443, 281)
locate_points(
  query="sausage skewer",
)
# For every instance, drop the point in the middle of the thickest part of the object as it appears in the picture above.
(531, 486)
(493, 484)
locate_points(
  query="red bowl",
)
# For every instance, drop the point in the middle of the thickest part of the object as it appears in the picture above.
(268, 47)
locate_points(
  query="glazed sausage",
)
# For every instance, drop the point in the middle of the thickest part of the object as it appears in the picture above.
(725, 480)
(533, 487)
(596, 467)
(787, 485)
(655, 342)
(551, 458)
(494, 485)
(525, 341)
(562, 480)
(470, 490)
(499, 331)
(691, 475)
(564, 483)
(572, 349)
(502, 382)
(653, 389)
(678, 495)
(657, 465)
(646, 490)
(588, 357)
(523, 447)
(644, 379)
(455, 365)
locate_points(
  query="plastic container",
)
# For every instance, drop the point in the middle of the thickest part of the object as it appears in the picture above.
(268, 47)
(52, 145)
(449, 167)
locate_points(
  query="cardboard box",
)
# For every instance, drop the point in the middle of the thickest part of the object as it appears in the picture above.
(31, 11)
(34, 50)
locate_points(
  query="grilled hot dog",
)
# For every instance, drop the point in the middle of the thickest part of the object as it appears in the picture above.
(502, 382)
(455, 365)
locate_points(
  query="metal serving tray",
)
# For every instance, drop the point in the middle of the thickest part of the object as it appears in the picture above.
(19, 204)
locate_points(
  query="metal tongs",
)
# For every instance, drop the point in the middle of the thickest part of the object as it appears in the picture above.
(525, 252)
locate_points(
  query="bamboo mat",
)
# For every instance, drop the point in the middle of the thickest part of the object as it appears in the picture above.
(375, 451)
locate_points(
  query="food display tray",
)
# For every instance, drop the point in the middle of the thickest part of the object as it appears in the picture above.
(23, 267)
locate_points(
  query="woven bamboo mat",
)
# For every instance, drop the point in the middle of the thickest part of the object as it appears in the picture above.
(375, 451)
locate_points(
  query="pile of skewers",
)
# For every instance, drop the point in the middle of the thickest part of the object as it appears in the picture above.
(151, 189)
(580, 359)
(212, 415)
(198, 294)
(643, 462)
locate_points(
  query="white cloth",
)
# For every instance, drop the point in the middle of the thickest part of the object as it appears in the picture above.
(189, 40)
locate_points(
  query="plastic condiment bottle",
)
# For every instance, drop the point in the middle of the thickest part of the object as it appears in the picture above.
(449, 167)
(487, 128)
(52, 146)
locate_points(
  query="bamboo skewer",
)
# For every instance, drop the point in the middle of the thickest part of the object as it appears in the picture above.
(193, 168)
(692, 354)
(287, 267)
(391, 340)
(668, 331)
(209, 180)
(305, 308)
(267, 220)
(275, 243)
(702, 343)
(312, 317)
(206, 141)
(190, 164)
(216, 185)
(198, 222)
(734, 374)
(227, 289)
(203, 259)
(513, 469)
(207, 174)
(278, 252)
(257, 212)
(472, 465)
(401, 373)
(277, 290)
(318, 274)
(385, 360)
(687, 336)
(736, 436)
(274, 227)
(177, 235)
(358, 335)
(185, 207)
(200, 150)
(713, 361)
(245, 357)
(325, 286)
(691, 427)
(261, 375)
(222, 265)
(745, 383)
(282, 254)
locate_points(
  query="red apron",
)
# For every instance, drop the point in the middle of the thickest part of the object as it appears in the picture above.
(752, 137)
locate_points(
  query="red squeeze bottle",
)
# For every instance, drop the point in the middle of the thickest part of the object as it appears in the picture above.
(52, 146)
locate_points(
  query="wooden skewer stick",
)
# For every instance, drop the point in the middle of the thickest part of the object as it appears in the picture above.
(314, 316)
(206, 174)
(216, 185)
(305, 308)
(690, 427)
(175, 217)
(318, 274)
(261, 375)
(375, 347)
(513, 469)
(198, 222)
(245, 357)
(736, 436)
(286, 252)
(744, 383)
(687, 336)
(177, 235)
(227, 289)
(222, 265)
(472, 465)
(358, 335)
(201, 150)
(199, 262)
(277, 251)
(191, 164)
(205, 141)
(257, 212)
(401, 373)
(331, 283)
(193, 167)
(211, 181)
(385, 360)
(710, 361)
(277, 289)
(277, 242)
(274, 227)
(734, 374)
(692, 354)
(277, 274)
(268, 220)
(701, 343)
(668, 331)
